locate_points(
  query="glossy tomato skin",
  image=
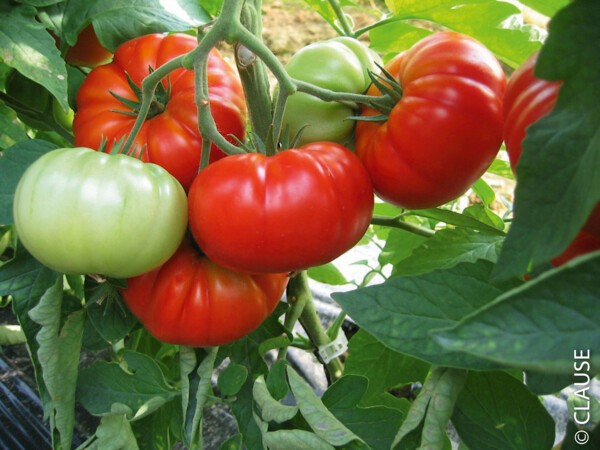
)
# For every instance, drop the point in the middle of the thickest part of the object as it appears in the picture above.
(171, 137)
(81, 211)
(527, 100)
(444, 132)
(340, 64)
(87, 51)
(192, 301)
(300, 208)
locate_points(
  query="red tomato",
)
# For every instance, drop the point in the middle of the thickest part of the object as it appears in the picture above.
(527, 100)
(87, 51)
(300, 208)
(192, 301)
(582, 244)
(446, 129)
(170, 133)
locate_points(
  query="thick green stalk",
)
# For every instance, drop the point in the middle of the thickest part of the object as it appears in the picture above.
(300, 290)
(397, 222)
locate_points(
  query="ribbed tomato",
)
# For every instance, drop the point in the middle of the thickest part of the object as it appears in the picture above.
(444, 132)
(192, 301)
(300, 208)
(170, 133)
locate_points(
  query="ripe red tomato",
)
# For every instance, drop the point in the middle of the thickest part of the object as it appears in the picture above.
(87, 51)
(300, 208)
(446, 129)
(192, 301)
(170, 133)
(527, 100)
(582, 244)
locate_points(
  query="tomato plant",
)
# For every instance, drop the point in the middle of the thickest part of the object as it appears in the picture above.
(106, 104)
(190, 300)
(79, 211)
(444, 132)
(316, 119)
(269, 224)
(403, 316)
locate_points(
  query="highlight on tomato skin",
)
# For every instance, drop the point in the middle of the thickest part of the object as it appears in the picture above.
(192, 301)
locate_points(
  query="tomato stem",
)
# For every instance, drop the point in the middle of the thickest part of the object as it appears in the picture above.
(397, 222)
(342, 18)
(299, 289)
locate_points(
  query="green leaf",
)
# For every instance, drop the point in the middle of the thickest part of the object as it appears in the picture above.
(114, 433)
(277, 380)
(546, 7)
(13, 130)
(197, 365)
(26, 280)
(267, 407)
(558, 184)
(232, 378)
(160, 429)
(11, 335)
(29, 48)
(485, 215)
(485, 20)
(58, 353)
(484, 192)
(488, 419)
(319, 418)
(537, 326)
(117, 21)
(394, 37)
(542, 383)
(246, 352)
(376, 425)
(403, 311)
(431, 411)
(456, 219)
(139, 386)
(383, 367)
(13, 163)
(325, 11)
(399, 245)
(328, 274)
(449, 247)
(107, 311)
(501, 168)
(296, 439)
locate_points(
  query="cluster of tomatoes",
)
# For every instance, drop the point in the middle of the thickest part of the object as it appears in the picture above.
(207, 254)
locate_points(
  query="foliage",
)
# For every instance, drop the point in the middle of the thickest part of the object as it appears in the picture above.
(462, 318)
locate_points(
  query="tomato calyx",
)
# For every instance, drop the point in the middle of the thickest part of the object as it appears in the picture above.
(390, 94)
(158, 104)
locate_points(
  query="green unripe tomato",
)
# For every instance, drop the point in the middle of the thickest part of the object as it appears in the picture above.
(340, 64)
(79, 211)
(62, 117)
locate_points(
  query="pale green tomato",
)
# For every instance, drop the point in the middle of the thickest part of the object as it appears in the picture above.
(340, 64)
(82, 211)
